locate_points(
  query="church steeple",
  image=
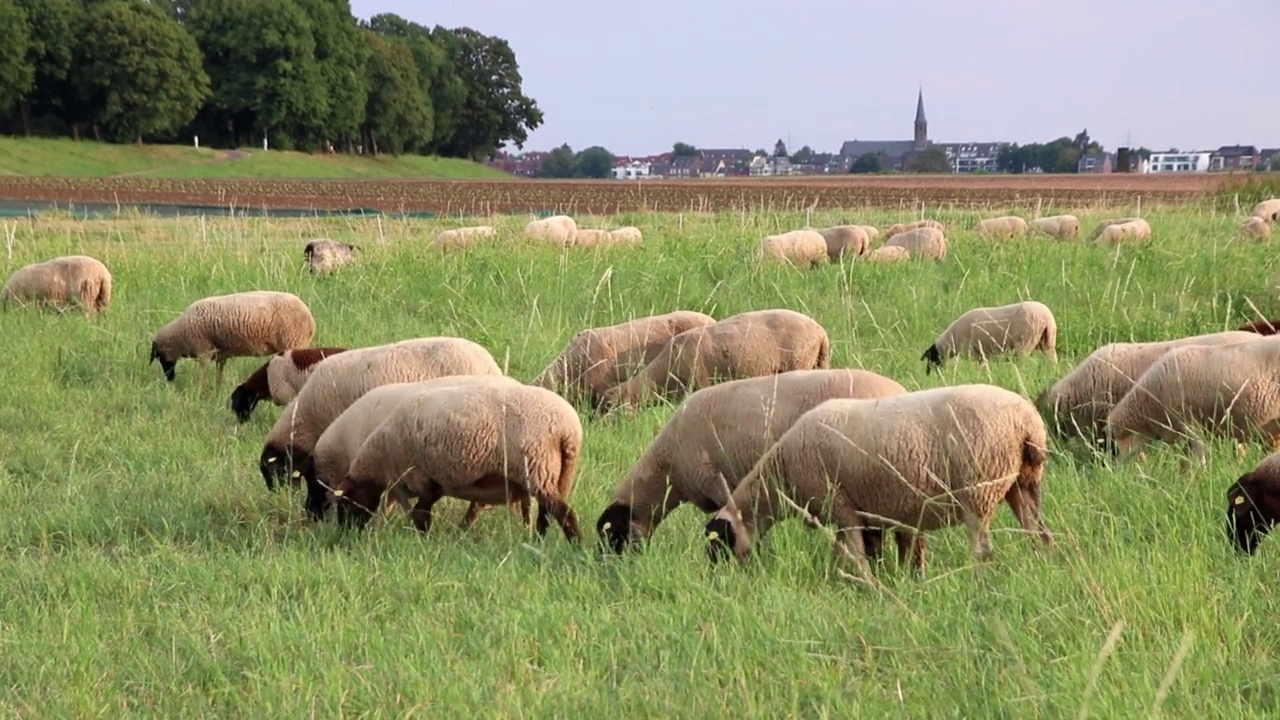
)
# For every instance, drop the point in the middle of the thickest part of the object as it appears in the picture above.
(922, 125)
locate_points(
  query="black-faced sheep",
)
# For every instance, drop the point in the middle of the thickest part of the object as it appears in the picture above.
(60, 283)
(1268, 210)
(843, 241)
(800, 248)
(1103, 225)
(715, 438)
(1253, 505)
(981, 333)
(926, 242)
(278, 380)
(750, 344)
(324, 256)
(246, 324)
(1255, 227)
(918, 461)
(1136, 231)
(1005, 226)
(1058, 226)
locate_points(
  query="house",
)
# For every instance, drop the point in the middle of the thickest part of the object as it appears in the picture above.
(1234, 157)
(525, 165)
(1269, 159)
(725, 162)
(632, 170)
(1174, 161)
(1103, 162)
(973, 156)
(760, 166)
(685, 166)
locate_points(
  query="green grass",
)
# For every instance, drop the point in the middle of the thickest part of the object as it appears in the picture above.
(147, 570)
(67, 158)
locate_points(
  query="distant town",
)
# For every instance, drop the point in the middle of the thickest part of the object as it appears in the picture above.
(919, 154)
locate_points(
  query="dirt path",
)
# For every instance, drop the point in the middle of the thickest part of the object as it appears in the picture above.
(226, 155)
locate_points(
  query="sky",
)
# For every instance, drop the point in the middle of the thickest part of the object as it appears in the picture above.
(635, 77)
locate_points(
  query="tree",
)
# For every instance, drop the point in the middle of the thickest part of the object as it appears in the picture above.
(559, 163)
(17, 74)
(932, 161)
(779, 148)
(442, 89)
(866, 163)
(397, 114)
(341, 56)
(594, 162)
(51, 42)
(140, 68)
(683, 150)
(496, 110)
(803, 155)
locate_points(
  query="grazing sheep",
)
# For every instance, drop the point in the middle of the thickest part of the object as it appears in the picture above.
(1115, 234)
(917, 462)
(1005, 226)
(801, 248)
(324, 256)
(628, 235)
(463, 237)
(926, 242)
(1058, 226)
(596, 359)
(1229, 390)
(246, 324)
(488, 444)
(560, 229)
(872, 231)
(888, 254)
(900, 228)
(338, 444)
(980, 333)
(341, 379)
(749, 344)
(1079, 403)
(1268, 210)
(842, 240)
(278, 380)
(590, 237)
(1100, 227)
(60, 283)
(1261, 327)
(1253, 505)
(715, 438)
(1255, 227)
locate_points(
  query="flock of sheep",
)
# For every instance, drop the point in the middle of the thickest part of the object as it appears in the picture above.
(766, 430)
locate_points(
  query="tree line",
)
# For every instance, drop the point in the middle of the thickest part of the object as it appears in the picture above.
(304, 74)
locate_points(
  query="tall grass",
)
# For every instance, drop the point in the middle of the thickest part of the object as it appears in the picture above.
(147, 570)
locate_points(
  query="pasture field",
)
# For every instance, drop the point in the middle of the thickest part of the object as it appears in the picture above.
(148, 571)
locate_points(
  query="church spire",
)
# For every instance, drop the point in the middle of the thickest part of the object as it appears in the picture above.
(920, 106)
(921, 138)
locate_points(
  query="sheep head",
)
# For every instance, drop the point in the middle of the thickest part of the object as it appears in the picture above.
(278, 463)
(614, 528)
(1253, 507)
(724, 534)
(356, 502)
(932, 358)
(166, 364)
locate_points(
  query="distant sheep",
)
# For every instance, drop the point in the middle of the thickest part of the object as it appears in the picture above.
(246, 324)
(60, 283)
(590, 237)
(1136, 230)
(1097, 230)
(1005, 226)
(888, 254)
(628, 235)
(559, 229)
(872, 231)
(845, 241)
(1058, 226)
(981, 333)
(278, 380)
(456, 238)
(1253, 505)
(324, 256)
(801, 248)
(1254, 226)
(900, 228)
(925, 242)
(1268, 210)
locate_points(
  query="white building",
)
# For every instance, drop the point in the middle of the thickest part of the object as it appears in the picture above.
(633, 170)
(1178, 162)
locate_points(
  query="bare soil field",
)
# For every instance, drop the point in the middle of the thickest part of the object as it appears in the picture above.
(612, 196)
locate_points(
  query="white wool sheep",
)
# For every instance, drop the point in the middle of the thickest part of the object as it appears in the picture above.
(984, 332)
(596, 359)
(340, 380)
(629, 235)
(463, 237)
(1058, 226)
(278, 380)
(1078, 404)
(845, 240)
(1230, 390)
(1254, 226)
(926, 242)
(715, 438)
(1100, 227)
(1268, 210)
(872, 231)
(917, 461)
(560, 229)
(1005, 226)
(888, 254)
(60, 283)
(324, 255)
(801, 248)
(749, 344)
(338, 444)
(900, 228)
(590, 237)
(1136, 230)
(488, 444)
(245, 324)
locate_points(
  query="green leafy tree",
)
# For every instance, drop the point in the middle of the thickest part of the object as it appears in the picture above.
(866, 163)
(803, 155)
(397, 116)
(341, 56)
(681, 149)
(441, 88)
(559, 163)
(17, 74)
(932, 161)
(779, 148)
(51, 43)
(496, 111)
(594, 162)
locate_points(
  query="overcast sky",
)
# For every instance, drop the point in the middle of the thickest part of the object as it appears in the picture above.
(635, 77)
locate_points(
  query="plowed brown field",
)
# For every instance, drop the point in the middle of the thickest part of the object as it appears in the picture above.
(611, 196)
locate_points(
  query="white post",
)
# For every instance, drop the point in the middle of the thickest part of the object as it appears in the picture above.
(264, 141)
(197, 137)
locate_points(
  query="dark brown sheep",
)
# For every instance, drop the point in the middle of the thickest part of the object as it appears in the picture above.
(1253, 504)
(278, 380)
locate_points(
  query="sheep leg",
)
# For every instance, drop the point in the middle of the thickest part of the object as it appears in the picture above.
(220, 363)
(980, 532)
(910, 548)
(473, 512)
(1026, 507)
(850, 527)
(563, 514)
(421, 513)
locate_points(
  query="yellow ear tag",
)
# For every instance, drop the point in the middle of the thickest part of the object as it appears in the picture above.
(337, 493)
(1239, 500)
(713, 535)
(271, 459)
(296, 474)
(606, 526)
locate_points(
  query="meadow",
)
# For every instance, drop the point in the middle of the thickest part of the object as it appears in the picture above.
(148, 571)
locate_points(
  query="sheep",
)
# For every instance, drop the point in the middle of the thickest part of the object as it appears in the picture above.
(916, 462)
(245, 324)
(1100, 227)
(1021, 327)
(323, 255)
(888, 254)
(1078, 404)
(801, 248)
(1255, 227)
(1231, 390)
(628, 235)
(1268, 210)
(1115, 234)
(872, 231)
(60, 283)
(560, 229)
(900, 228)
(1253, 505)
(596, 359)
(842, 240)
(749, 344)
(1005, 226)
(926, 242)
(338, 444)
(714, 439)
(1261, 327)
(1058, 226)
(341, 379)
(590, 237)
(278, 380)
(463, 237)
(488, 444)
